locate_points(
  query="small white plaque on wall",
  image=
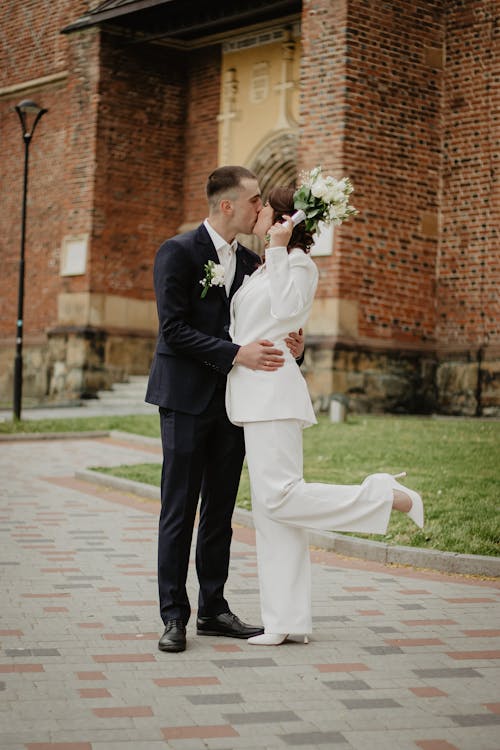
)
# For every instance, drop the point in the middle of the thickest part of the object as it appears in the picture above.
(323, 240)
(74, 255)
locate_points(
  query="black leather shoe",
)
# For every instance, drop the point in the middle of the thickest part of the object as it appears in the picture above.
(174, 636)
(226, 624)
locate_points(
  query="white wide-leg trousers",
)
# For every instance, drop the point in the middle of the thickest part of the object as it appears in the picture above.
(284, 506)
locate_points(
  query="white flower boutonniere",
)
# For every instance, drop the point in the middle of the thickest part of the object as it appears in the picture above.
(214, 276)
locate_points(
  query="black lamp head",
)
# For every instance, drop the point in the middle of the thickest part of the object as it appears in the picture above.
(28, 109)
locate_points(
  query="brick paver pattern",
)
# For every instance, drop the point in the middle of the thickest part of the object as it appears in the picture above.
(400, 659)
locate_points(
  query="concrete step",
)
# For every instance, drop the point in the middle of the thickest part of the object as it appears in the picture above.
(128, 393)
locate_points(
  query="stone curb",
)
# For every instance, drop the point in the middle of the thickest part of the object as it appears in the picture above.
(6, 437)
(365, 549)
(130, 487)
(133, 437)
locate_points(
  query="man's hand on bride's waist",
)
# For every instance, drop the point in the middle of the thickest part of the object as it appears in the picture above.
(260, 355)
(295, 342)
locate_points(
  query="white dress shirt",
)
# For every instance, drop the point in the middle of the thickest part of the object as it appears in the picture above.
(227, 254)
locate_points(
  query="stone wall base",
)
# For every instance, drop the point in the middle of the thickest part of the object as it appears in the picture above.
(402, 382)
(469, 385)
(73, 363)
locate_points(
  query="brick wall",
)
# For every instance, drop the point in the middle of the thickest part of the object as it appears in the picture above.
(380, 105)
(322, 104)
(61, 156)
(468, 299)
(140, 154)
(31, 43)
(201, 129)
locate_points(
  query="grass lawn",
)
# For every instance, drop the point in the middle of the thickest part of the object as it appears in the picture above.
(453, 463)
(142, 424)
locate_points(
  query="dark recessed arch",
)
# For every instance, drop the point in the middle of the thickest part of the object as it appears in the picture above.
(275, 162)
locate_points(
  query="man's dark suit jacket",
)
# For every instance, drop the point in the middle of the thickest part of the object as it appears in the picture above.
(194, 352)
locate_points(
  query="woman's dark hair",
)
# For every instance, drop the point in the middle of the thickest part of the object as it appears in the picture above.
(281, 200)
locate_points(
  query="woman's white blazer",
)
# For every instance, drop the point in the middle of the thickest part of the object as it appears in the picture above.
(275, 300)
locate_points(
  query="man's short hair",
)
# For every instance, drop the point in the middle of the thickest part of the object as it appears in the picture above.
(224, 182)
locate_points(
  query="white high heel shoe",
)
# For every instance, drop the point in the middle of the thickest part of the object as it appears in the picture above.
(271, 639)
(416, 511)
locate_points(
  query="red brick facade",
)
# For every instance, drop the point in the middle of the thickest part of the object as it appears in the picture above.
(400, 96)
(469, 269)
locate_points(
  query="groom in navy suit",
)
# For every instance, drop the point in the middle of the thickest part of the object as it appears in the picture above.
(202, 451)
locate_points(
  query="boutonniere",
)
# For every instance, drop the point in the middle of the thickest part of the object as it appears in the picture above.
(214, 276)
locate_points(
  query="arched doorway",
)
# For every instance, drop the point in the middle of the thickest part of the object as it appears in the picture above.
(274, 162)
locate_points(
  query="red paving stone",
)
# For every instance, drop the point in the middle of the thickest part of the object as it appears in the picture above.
(91, 676)
(140, 528)
(428, 692)
(185, 733)
(146, 540)
(130, 636)
(130, 712)
(429, 622)
(493, 707)
(55, 609)
(94, 693)
(482, 633)
(435, 745)
(178, 681)
(353, 667)
(469, 600)
(60, 570)
(12, 668)
(370, 612)
(90, 625)
(8, 633)
(139, 573)
(122, 658)
(414, 642)
(459, 655)
(227, 648)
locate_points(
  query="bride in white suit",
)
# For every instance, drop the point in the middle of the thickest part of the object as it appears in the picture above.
(273, 408)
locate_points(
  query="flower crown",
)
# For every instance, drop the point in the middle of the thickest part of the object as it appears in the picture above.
(323, 199)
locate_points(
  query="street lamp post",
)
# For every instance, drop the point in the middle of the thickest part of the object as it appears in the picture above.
(27, 110)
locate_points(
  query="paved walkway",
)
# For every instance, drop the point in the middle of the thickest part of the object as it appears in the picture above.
(400, 658)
